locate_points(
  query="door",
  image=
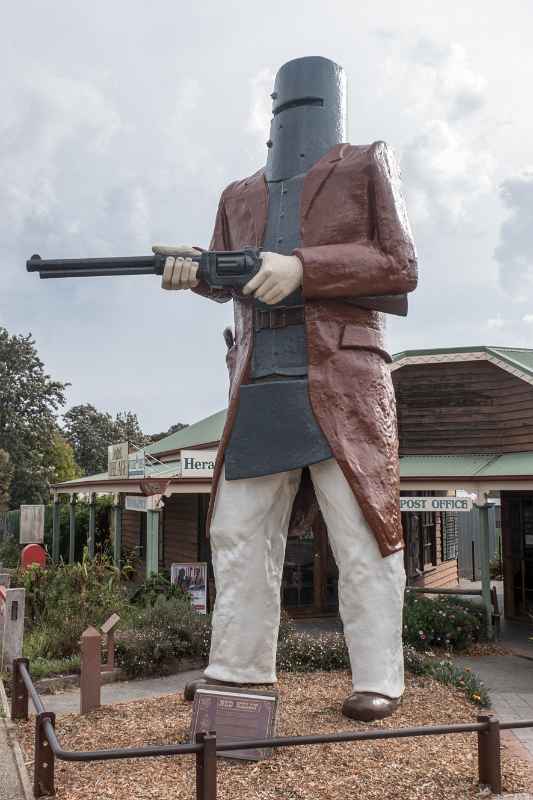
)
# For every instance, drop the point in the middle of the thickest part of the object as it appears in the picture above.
(310, 575)
(517, 537)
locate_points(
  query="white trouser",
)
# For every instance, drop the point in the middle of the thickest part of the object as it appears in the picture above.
(248, 536)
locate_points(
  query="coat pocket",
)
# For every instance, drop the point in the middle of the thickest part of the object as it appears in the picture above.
(358, 337)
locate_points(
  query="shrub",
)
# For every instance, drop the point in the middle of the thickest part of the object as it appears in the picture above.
(445, 671)
(9, 552)
(299, 652)
(62, 600)
(442, 622)
(159, 634)
(157, 586)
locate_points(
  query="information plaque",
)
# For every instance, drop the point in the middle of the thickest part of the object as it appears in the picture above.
(235, 714)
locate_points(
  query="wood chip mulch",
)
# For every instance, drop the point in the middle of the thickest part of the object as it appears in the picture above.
(425, 768)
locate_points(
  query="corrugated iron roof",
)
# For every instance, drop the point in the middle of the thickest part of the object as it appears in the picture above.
(203, 432)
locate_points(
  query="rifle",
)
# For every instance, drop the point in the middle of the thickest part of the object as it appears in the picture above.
(218, 269)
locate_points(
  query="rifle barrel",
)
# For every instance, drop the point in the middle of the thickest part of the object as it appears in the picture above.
(96, 267)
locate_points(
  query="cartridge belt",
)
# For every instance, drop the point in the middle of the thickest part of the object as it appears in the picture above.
(278, 317)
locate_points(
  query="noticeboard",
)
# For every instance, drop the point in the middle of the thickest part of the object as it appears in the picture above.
(31, 524)
(235, 715)
(192, 578)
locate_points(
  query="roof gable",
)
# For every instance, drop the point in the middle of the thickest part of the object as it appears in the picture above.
(518, 361)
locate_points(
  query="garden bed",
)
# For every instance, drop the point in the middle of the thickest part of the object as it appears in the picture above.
(429, 768)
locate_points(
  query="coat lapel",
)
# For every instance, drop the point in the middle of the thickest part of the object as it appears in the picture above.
(255, 195)
(317, 176)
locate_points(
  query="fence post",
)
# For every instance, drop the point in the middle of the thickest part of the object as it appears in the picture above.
(489, 754)
(43, 769)
(92, 525)
(72, 529)
(206, 766)
(56, 529)
(90, 678)
(19, 693)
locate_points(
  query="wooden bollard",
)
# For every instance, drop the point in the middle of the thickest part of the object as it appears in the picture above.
(90, 680)
(108, 629)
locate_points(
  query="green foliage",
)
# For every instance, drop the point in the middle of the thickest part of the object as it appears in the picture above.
(300, 652)
(90, 432)
(29, 400)
(61, 462)
(63, 600)
(442, 622)
(161, 633)
(9, 552)
(48, 667)
(444, 671)
(6, 475)
(157, 586)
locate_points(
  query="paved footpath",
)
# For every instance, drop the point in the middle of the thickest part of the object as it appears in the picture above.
(509, 680)
(122, 692)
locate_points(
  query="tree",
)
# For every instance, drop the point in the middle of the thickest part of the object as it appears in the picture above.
(128, 429)
(29, 400)
(6, 474)
(89, 432)
(61, 462)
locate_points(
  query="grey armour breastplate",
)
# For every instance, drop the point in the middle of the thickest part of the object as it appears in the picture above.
(281, 351)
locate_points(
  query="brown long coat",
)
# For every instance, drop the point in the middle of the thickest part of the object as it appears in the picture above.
(355, 241)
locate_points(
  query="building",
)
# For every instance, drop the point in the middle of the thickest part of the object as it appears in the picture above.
(465, 419)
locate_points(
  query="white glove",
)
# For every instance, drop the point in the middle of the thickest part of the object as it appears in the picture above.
(277, 278)
(180, 271)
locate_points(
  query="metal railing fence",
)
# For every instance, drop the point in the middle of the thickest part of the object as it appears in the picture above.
(206, 745)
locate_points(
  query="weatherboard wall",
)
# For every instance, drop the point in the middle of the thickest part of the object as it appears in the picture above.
(463, 407)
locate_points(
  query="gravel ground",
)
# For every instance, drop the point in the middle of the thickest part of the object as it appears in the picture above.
(428, 768)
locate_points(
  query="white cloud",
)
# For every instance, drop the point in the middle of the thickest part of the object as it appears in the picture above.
(445, 169)
(496, 322)
(444, 174)
(528, 319)
(514, 252)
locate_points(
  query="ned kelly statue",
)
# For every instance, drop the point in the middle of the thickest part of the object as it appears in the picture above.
(313, 249)
(310, 386)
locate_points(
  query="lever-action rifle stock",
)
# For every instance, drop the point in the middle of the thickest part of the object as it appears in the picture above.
(218, 269)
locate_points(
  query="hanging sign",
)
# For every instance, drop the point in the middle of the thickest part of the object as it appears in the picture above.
(31, 524)
(198, 463)
(117, 460)
(192, 578)
(137, 502)
(435, 503)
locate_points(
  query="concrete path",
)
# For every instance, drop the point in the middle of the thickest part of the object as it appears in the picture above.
(10, 783)
(509, 680)
(69, 702)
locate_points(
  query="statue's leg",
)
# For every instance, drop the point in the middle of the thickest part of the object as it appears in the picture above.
(248, 536)
(371, 588)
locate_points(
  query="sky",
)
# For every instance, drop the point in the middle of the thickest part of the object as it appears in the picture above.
(124, 120)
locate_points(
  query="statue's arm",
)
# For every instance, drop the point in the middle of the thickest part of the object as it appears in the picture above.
(384, 265)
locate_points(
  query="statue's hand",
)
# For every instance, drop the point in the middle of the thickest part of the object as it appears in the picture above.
(277, 278)
(180, 271)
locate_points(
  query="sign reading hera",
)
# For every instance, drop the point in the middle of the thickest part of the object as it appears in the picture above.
(435, 504)
(198, 463)
(235, 715)
(31, 524)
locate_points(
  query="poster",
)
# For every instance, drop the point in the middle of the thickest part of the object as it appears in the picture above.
(193, 579)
